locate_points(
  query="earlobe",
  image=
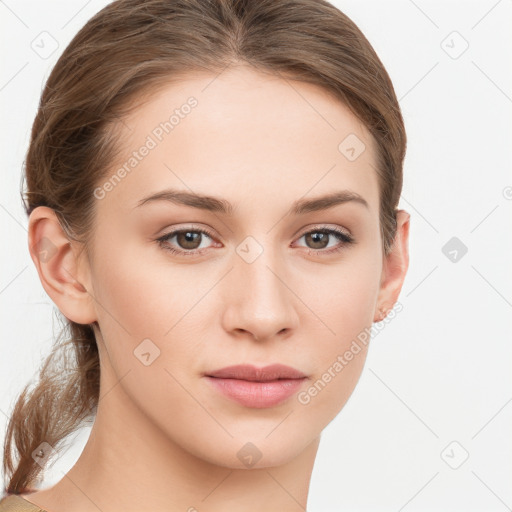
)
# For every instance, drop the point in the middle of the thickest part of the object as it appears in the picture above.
(56, 261)
(394, 268)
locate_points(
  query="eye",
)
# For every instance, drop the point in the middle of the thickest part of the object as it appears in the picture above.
(320, 238)
(189, 241)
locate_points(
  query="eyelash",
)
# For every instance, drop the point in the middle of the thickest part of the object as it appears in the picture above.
(343, 237)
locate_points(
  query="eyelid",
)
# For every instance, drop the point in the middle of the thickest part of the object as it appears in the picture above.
(188, 227)
(325, 227)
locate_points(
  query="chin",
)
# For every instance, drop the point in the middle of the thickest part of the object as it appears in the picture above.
(253, 451)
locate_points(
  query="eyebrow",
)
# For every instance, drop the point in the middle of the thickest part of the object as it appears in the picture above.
(219, 205)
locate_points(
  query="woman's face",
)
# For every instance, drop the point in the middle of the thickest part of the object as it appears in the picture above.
(257, 280)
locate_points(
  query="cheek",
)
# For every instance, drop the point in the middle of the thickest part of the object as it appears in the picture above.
(141, 296)
(351, 303)
(130, 296)
(138, 293)
(345, 303)
(343, 296)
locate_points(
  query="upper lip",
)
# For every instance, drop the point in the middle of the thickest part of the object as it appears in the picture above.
(252, 373)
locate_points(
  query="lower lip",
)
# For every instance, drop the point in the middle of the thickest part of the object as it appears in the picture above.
(257, 394)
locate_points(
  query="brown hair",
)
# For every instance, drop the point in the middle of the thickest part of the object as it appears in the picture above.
(122, 55)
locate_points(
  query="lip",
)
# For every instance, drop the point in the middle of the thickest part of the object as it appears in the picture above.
(252, 373)
(257, 387)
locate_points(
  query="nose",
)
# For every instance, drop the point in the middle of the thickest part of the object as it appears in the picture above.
(259, 300)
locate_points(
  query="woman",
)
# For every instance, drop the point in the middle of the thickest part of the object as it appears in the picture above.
(212, 191)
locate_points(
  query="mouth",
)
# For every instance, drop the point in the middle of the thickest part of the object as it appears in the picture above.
(257, 387)
(253, 374)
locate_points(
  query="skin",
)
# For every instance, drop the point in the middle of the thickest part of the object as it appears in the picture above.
(163, 438)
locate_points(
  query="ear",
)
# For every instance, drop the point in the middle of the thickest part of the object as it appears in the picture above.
(60, 266)
(394, 268)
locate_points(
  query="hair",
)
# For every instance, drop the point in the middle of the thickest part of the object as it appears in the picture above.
(124, 54)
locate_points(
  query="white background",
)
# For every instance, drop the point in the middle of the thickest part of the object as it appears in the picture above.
(441, 370)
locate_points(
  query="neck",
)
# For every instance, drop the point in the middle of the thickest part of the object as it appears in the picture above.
(129, 463)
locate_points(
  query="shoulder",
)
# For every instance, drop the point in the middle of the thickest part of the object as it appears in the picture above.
(15, 503)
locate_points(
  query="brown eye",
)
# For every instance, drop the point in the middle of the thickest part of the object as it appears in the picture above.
(318, 240)
(188, 241)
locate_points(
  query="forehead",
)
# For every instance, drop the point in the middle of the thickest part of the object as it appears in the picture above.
(243, 134)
